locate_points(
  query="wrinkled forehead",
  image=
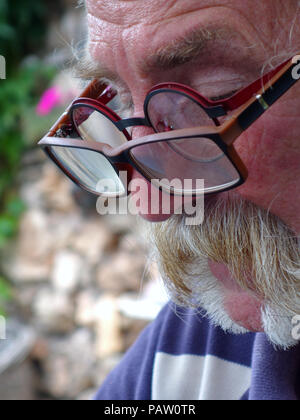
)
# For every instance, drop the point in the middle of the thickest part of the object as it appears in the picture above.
(147, 25)
(132, 12)
(133, 38)
(110, 21)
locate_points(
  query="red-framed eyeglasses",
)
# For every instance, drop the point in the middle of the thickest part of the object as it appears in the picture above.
(91, 143)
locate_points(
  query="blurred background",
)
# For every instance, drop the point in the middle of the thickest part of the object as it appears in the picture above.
(76, 288)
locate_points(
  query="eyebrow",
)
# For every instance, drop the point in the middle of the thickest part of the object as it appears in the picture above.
(87, 69)
(180, 51)
(184, 49)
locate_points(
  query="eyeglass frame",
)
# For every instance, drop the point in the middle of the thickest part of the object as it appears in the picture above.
(97, 95)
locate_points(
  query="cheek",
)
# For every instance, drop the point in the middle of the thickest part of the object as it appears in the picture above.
(271, 152)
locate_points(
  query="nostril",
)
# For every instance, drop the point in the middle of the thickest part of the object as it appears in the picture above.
(164, 126)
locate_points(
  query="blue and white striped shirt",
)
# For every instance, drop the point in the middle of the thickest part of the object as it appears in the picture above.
(181, 356)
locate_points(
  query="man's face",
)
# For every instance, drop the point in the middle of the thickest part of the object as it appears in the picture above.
(216, 47)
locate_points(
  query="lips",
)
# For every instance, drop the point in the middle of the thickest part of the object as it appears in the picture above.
(149, 201)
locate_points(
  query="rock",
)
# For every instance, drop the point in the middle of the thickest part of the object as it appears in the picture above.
(67, 271)
(140, 308)
(53, 311)
(63, 228)
(87, 395)
(30, 260)
(40, 350)
(84, 200)
(51, 190)
(24, 297)
(91, 239)
(121, 273)
(55, 190)
(104, 367)
(34, 236)
(30, 195)
(70, 365)
(133, 244)
(85, 313)
(131, 329)
(108, 328)
(18, 383)
(20, 270)
(89, 262)
(120, 224)
(17, 376)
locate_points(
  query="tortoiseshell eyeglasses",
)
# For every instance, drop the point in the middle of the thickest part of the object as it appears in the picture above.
(90, 142)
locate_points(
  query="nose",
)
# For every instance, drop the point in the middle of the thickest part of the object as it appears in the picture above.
(153, 204)
(147, 197)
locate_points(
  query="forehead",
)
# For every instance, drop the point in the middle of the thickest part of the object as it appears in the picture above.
(131, 12)
(125, 19)
(124, 35)
(128, 13)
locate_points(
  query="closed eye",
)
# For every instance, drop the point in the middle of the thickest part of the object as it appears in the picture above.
(226, 96)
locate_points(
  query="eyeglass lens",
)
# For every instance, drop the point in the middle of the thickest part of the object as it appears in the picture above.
(92, 125)
(187, 160)
(173, 110)
(183, 159)
(90, 169)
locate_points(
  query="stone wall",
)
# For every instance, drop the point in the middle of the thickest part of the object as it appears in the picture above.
(83, 284)
(82, 281)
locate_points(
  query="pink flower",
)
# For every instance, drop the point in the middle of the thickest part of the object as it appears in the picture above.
(49, 100)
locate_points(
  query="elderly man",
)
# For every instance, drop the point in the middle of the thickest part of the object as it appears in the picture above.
(235, 279)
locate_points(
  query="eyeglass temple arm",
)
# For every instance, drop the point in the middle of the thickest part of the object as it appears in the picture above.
(245, 94)
(102, 92)
(279, 85)
(107, 93)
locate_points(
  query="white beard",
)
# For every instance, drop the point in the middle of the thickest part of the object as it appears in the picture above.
(238, 232)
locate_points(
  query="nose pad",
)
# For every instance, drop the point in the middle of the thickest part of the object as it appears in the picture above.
(165, 126)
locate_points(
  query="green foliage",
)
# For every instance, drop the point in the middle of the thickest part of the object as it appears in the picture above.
(5, 295)
(9, 218)
(23, 25)
(18, 94)
(22, 29)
